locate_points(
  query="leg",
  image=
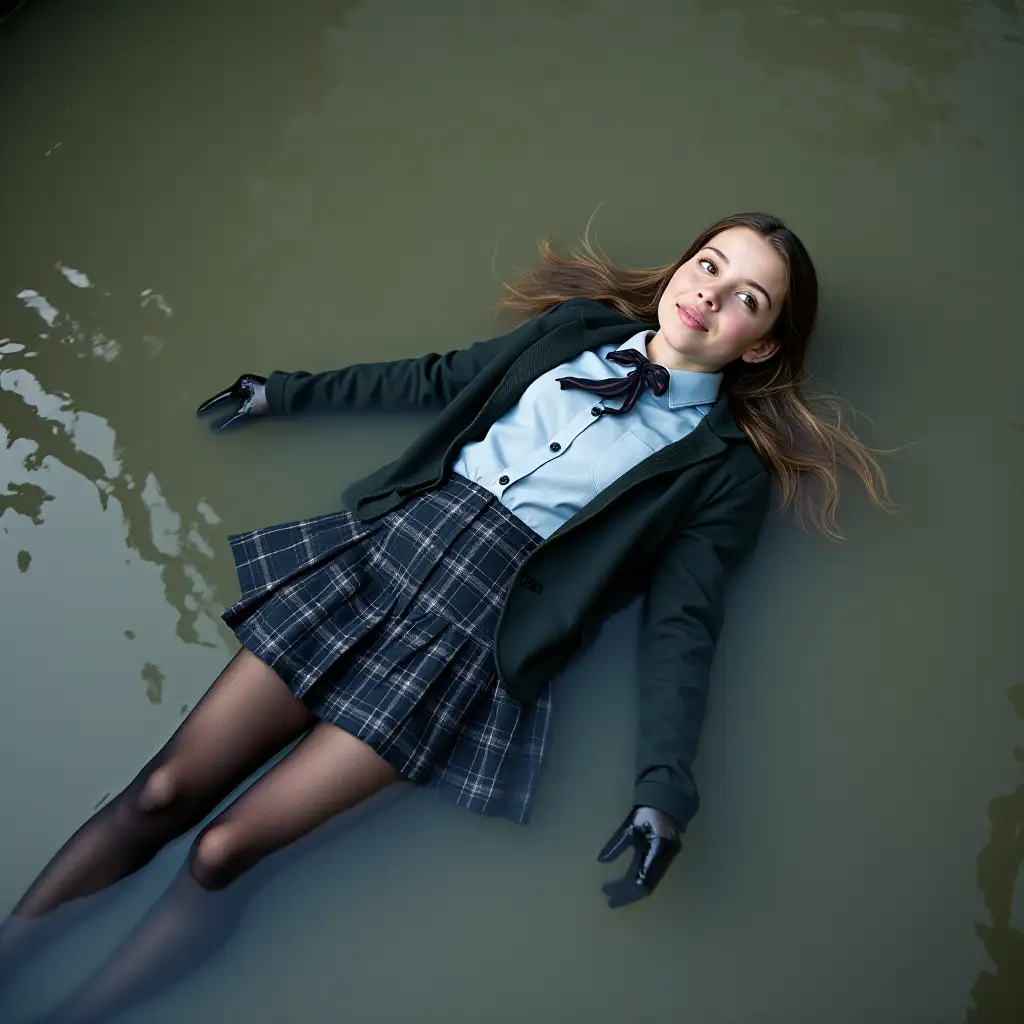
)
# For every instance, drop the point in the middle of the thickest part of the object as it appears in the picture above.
(246, 717)
(329, 772)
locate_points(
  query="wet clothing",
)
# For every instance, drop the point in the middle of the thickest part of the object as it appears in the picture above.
(671, 527)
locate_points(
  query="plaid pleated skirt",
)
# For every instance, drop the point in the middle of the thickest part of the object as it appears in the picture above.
(386, 628)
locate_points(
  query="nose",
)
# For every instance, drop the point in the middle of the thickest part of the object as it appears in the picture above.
(710, 297)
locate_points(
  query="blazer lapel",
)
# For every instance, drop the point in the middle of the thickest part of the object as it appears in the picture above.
(566, 343)
(560, 346)
(703, 442)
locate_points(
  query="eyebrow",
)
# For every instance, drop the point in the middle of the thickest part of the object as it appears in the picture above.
(753, 284)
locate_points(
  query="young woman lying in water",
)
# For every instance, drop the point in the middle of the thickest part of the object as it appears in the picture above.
(623, 441)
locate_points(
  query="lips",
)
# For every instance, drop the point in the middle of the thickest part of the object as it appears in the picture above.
(692, 318)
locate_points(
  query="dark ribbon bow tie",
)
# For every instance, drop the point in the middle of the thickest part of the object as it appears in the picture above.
(632, 385)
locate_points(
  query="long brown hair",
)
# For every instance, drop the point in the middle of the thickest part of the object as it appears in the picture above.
(802, 440)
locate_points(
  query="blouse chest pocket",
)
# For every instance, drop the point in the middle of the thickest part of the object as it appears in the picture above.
(618, 458)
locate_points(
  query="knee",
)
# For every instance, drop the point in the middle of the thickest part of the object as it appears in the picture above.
(217, 857)
(160, 791)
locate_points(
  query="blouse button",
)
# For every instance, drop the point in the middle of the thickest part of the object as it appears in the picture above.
(596, 411)
(554, 447)
(502, 480)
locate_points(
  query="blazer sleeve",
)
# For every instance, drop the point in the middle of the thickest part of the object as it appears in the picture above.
(423, 384)
(682, 617)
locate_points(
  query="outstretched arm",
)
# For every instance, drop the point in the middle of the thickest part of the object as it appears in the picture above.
(683, 618)
(683, 615)
(423, 384)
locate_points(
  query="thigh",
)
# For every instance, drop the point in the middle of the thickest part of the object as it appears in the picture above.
(246, 717)
(329, 772)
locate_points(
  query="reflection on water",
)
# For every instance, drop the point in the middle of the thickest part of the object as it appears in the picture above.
(998, 994)
(41, 420)
(154, 680)
(856, 80)
(193, 194)
(76, 277)
(23, 499)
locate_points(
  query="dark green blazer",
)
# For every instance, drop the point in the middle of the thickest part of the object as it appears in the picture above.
(671, 528)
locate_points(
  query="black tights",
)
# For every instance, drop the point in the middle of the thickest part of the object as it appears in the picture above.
(245, 718)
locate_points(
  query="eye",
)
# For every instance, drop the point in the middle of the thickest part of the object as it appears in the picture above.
(708, 265)
(748, 300)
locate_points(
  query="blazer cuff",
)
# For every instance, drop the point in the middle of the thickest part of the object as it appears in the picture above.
(680, 806)
(274, 392)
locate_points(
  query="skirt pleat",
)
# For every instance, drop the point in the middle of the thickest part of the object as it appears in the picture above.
(387, 630)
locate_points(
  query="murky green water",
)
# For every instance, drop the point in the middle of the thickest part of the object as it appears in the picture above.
(190, 190)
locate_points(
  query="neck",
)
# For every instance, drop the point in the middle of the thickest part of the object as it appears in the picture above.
(661, 352)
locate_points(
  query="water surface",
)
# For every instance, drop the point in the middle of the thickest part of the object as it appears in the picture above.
(192, 190)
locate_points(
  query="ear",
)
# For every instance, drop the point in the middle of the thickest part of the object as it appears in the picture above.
(764, 349)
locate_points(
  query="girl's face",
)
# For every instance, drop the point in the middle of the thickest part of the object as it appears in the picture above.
(721, 305)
